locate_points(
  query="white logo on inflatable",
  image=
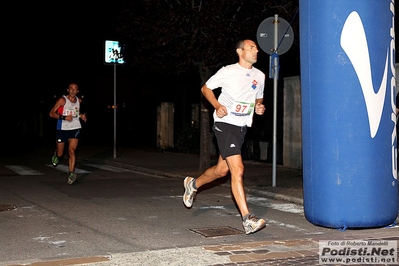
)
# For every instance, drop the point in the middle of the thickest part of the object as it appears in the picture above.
(354, 43)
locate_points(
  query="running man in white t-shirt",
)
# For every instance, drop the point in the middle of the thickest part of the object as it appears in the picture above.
(241, 96)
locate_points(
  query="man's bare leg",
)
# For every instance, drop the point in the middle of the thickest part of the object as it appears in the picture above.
(214, 172)
(236, 167)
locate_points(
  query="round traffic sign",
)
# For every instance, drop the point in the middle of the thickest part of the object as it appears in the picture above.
(265, 36)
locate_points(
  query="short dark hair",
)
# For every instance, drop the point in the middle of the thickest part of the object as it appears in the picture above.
(240, 44)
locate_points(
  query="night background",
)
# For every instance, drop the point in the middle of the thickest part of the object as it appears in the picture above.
(170, 48)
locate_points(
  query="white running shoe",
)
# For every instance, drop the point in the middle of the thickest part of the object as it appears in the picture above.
(253, 224)
(189, 191)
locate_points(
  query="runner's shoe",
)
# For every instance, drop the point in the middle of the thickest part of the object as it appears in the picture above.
(55, 160)
(189, 191)
(253, 224)
(71, 178)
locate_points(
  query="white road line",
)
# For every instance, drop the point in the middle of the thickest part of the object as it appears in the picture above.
(107, 167)
(65, 169)
(292, 227)
(23, 170)
(212, 207)
(284, 207)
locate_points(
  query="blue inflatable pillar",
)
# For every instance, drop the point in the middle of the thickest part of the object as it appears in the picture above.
(347, 51)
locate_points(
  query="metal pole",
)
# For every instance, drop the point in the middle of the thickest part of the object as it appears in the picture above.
(275, 100)
(115, 110)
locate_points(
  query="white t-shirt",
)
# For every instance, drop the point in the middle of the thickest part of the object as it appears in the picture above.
(240, 88)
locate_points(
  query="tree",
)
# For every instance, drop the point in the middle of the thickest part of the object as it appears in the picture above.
(177, 36)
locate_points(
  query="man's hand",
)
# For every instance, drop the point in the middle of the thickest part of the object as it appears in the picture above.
(83, 117)
(69, 118)
(221, 111)
(259, 109)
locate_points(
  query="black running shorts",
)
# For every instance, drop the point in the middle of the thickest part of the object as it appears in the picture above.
(229, 138)
(64, 135)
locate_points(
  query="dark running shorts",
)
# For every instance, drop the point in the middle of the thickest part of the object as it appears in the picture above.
(64, 135)
(229, 138)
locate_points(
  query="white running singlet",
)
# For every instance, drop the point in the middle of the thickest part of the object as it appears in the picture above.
(69, 108)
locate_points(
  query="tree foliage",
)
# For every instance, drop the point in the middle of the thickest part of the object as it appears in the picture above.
(180, 36)
(176, 36)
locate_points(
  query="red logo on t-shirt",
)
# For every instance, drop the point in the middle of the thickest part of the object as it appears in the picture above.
(254, 83)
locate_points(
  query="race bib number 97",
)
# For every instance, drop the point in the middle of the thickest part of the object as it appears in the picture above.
(243, 108)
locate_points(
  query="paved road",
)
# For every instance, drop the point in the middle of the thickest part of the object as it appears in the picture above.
(114, 215)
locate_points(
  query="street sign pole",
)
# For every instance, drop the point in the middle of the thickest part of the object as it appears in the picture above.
(274, 42)
(275, 78)
(114, 110)
(114, 55)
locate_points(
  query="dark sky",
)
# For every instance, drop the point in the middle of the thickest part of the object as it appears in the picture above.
(54, 43)
(50, 44)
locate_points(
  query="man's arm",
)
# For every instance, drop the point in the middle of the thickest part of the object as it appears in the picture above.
(53, 113)
(221, 110)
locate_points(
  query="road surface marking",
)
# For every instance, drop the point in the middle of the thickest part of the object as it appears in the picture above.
(107, 167)
(23, 170)
(65, 169)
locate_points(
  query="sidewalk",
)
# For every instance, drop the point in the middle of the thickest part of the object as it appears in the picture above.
(258, 176)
